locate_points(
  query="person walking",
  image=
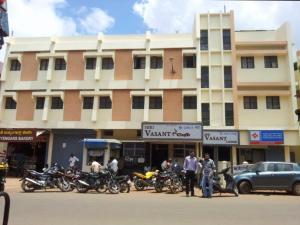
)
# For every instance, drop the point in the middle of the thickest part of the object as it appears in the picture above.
(208, 168)
(72, 161)
(190, 167)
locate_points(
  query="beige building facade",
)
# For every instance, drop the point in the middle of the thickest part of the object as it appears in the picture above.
(70, 88)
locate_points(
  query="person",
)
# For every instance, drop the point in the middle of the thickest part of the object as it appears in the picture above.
(208, 168)
(113, 165)
(190, 166)
(96, 167)
(72, 161)
(199, 171)
(166, 165)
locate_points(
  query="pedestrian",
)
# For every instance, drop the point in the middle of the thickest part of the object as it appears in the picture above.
(199, 171)
(96, 167)
(190, 167)
(207, 176)
(113, 165)
(166, 165)
(72, 161)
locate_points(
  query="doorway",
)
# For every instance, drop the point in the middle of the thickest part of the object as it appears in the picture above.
(159, 153)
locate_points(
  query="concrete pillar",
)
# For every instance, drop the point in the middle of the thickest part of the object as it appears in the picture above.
(197, 150)
(233, 155)
(50, 148)
(50, 69)
(95, 108)
(46, 108)
(201, 150)
(146, 108)
(98, 67)
(170, 151)
(147, 68)
(287, 156)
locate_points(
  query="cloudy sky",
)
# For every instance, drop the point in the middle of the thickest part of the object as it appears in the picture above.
(82, 17)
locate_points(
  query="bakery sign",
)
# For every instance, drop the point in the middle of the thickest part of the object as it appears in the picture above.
(172, 131)
(221, 137)
(17, 135)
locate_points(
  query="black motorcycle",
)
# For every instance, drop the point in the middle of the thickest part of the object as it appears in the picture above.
(51, 178)
(101, 182)
(125, 183)
(169, 180)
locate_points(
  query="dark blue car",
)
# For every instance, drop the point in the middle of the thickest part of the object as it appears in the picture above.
(270, 176)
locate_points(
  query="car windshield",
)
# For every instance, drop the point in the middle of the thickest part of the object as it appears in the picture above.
(257, 167)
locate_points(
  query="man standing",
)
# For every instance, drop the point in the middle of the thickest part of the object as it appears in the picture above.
(190, 167)
(207, 176)
(72, 161)
(113, 165)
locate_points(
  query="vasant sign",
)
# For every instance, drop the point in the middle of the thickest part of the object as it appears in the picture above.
(214, 137)
(172, 131)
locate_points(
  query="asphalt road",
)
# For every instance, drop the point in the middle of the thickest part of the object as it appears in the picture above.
(143, 208)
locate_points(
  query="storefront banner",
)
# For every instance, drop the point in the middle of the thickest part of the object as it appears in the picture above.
(11, 135)
(213, 137)
(266, 137)
(172, 131)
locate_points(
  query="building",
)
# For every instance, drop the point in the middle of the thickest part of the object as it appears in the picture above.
(230, 93)
(297, 76)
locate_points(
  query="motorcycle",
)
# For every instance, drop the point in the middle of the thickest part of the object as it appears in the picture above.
(142, 181)
(51, 178)
(169, 180)
(124, 182)
(71, 176)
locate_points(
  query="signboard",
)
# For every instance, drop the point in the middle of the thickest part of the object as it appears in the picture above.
(17, 135)
(266, 137)
(215, 137)
(172, 131)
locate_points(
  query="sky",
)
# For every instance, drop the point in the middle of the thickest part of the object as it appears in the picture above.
(35, 18)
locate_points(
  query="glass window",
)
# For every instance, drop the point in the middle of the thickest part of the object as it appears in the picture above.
(60, 64)
(227, 77)
(189, 61)
(247, 62)
(95, 155)
(105, 102)
(107, 63)
(15, 65)
(10, 103)
(273, 102)
(88, 103)
(229, 114)
(204, 39)
(44, 64)
(205, 114)
(190, 102)
(90, 63)
(138, 102)
(281, 167)
(56, 103)
(40, 101)
(271, 62)
(204, 77)
(139, 62)
(155, 102)
(134, 154)
(250, 102)
(226, 39)
(156, 62)
(270, 167)
(258, 167)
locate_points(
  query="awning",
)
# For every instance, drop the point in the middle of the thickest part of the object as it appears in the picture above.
(100, 143)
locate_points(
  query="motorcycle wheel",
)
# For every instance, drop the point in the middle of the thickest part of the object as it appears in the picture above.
(63, 185)
(124, 187)
(113, 187)
(27, 186)
(139, 185)
(158, 187)
(102, 188)
(81, 188)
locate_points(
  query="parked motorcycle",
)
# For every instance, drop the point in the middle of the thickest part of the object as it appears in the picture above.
(142, 181)
(71, 175)
(51, 178)
(170, 180)
(124, 182)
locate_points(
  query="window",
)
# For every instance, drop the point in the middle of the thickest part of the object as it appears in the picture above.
(88, 103)
(10, 103)
(44, 64)
(156, 62)
(133, 153)
(270, 167)
(226, 39)
(250, 102)
(205, 114)
(138, 102)
(203, 39)
(190, 102)
(139, 62)
(107, 63)
(155, 102)
(108, 133)
(189, 61)
(139, 133)
(273, 102)
(271, 62)
(204, 77)
(40, 101)
(247, 62)
(60, 64)
(182, 150)
(56, 103)
(105, 102)
(282, 167)
(15, 65)
(229, 114)
(227, 77)
(90, 63)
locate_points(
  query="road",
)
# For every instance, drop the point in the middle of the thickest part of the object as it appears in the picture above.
(143, 208)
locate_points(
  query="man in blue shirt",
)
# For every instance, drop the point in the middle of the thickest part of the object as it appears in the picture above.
(190, 167)
(208, 167)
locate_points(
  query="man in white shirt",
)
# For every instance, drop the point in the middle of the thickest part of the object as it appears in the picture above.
(96, 167)
(190, 167)
(113, 165)
(72, 160)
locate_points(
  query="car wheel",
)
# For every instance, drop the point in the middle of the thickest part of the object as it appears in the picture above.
(296, 189)
(245, 187)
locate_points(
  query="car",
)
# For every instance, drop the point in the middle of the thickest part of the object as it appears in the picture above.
(270, 176)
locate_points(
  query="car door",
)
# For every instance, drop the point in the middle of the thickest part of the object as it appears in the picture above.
(283, 175)
(263, 178)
